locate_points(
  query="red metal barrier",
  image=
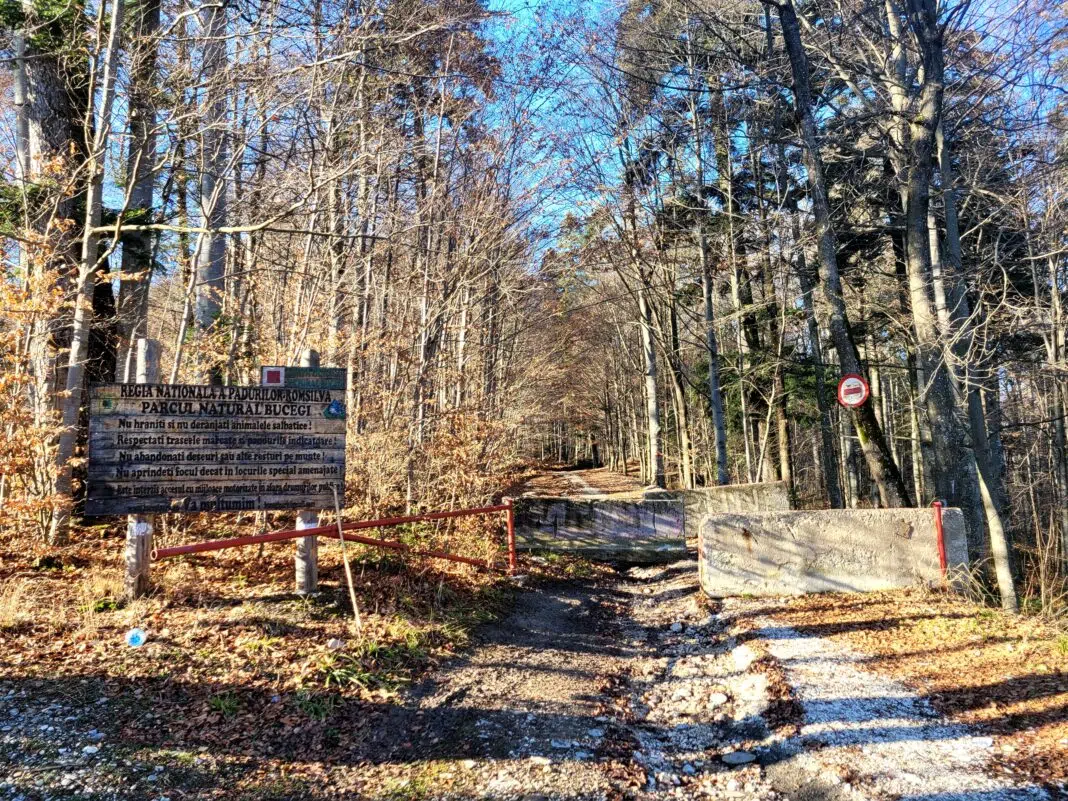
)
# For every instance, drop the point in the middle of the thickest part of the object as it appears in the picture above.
(331, 531)
(941, 537)
(512, 567)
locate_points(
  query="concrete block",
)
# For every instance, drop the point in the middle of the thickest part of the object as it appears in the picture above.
(769, 496)
(630, 531)
(786, 553)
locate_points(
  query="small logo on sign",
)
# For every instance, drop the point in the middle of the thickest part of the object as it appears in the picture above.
(273, 377)
(335, 411)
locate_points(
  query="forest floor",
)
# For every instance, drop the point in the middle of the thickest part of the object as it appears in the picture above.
(578, 682)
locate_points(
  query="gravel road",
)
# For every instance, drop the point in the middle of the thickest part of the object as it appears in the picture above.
(639, 688)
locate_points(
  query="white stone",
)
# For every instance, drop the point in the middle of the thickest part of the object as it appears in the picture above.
(738, 758)
(743, 656)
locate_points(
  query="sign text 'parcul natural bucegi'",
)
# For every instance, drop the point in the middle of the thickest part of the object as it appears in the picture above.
(178, 448)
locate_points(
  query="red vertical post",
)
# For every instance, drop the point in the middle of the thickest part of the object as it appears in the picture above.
(512, 566)
(941, 537)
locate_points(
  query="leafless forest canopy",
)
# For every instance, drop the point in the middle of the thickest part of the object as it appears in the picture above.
(651, 235)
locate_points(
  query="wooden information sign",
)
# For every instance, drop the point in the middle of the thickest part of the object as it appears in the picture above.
(179, 448)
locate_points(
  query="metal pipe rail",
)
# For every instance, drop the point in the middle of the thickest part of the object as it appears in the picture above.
(941, 537)
(332, 531)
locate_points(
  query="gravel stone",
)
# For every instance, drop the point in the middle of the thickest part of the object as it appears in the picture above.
(738, 758)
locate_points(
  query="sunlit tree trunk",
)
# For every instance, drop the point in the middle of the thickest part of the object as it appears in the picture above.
(211, 258)
(652, 401)
(86, 274)
(962, 477)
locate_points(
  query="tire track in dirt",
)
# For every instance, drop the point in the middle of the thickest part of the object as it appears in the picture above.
(524, 711)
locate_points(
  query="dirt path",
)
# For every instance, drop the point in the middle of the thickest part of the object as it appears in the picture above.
(525, 710)
(638, 688)
(578, 483)
(590, 690)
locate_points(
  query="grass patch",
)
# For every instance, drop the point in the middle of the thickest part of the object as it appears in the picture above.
(102, 605)
(278, 790)
(371, 665)
(226, 704)
(564, 565)
(260, 645)
(317, 706)
(425, 783)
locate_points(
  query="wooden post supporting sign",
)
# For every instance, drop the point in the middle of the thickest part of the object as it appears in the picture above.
(307, 555)
(140, 527)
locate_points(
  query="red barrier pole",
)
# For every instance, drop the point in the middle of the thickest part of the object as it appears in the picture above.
(512, 566)
(331, 531)
(400, 546)
(252, 539)
(941, 537)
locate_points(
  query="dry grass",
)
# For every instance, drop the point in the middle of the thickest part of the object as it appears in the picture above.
(14, 603)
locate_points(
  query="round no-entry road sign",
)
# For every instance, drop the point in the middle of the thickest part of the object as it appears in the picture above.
(853, 390)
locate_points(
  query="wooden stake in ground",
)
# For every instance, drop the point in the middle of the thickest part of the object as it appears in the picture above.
(139, 528)
(307, 555)
(345, 559)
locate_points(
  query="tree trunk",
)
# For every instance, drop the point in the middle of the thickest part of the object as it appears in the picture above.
(137, 249)
(22, 118)
(211, 259)
(958, 330)
(786, 470)
(652, 401)
(884, 470)
(87, 268)
(828, 452)
(715, 393)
